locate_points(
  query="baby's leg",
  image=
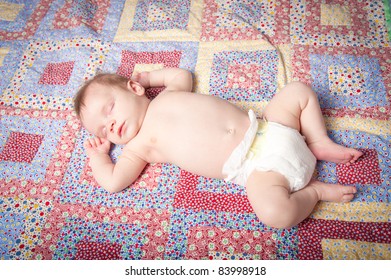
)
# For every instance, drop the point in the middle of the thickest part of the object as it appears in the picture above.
(275, 205)
(297, 106)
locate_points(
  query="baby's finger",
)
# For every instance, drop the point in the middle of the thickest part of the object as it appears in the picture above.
(87, 144)
(97, 141)
(135, 76)
(104, 141)
(93, 143)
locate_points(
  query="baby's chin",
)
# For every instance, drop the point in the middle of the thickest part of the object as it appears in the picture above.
(125, 139)
(122, 141)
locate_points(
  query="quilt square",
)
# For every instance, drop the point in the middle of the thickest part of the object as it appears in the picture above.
(19, 20)
(365, 90)
(51, 72)
(162, 15)
(77, 12)
(366, 171)
(21, 147)
(167, 20)
(371, 174)
(81, 18)
(336, 17)
(338, 23)
(21, 224)
(244, 76)
(121, 232)
(247, 75)
(244, 20)
(57, 73)
(347, 81)
(263, 79)
(35, 171)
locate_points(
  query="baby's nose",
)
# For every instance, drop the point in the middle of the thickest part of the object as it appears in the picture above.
(111, 126)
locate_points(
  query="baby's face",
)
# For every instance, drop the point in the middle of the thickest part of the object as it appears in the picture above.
(113, 112)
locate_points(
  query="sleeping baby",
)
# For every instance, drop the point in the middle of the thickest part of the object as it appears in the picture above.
(273, 157)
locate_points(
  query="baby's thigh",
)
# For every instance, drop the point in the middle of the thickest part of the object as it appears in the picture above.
(267, 191)
(286, 106)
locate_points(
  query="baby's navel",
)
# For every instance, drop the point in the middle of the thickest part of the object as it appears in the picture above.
(153, 140)
(231, 131)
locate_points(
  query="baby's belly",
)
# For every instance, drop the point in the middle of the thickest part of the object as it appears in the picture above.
(201, 157)
(203, 164)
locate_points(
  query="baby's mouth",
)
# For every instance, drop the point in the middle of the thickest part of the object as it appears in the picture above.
(121, 129)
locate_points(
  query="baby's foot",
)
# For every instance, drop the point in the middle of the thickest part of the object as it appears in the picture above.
(333, 192)
(329, 151)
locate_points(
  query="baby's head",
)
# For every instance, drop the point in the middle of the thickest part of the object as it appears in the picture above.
(105, 79)
(112, 107)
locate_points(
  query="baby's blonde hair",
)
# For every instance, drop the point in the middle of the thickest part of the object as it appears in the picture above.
(106, 79)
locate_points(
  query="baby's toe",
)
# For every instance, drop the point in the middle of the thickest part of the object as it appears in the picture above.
(349, 190)
(347, 197)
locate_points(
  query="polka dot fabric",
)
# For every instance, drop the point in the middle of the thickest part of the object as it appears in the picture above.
(97, 251)
(21, 147)
(243, 51)
(57, 73)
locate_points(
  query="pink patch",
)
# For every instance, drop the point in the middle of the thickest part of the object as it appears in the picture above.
(244, 76)
(21, 147)
(57, 73)
(87, 250)
(365, 171)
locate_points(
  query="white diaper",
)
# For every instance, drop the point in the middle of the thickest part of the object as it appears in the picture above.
(270, 146)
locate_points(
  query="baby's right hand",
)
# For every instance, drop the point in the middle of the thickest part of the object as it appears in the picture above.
(97, 145)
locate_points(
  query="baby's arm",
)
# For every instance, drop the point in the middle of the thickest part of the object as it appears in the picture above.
(112, 177)
(174, 79)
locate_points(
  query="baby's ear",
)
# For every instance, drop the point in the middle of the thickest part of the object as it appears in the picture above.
(135, 87)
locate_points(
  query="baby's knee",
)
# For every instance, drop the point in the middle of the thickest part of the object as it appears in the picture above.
(301, 88)
(299, 85)
(277, 216)
(301, 92)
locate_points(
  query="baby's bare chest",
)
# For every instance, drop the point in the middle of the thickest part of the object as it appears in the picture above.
(195, 132)
(197, 140)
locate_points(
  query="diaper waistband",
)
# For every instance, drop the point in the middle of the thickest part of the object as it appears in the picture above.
(234, 163)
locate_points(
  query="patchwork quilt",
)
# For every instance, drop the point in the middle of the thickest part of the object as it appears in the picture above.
(241, 50)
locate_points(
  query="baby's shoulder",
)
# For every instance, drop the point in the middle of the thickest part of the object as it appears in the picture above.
(133, 149)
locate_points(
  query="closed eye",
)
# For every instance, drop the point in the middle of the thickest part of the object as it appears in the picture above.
(110, 108)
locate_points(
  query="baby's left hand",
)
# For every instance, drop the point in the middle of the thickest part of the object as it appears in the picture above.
(97, 145)
(142, 78)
